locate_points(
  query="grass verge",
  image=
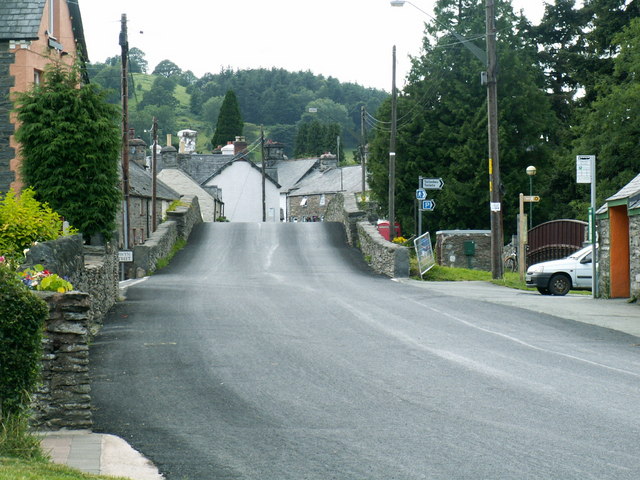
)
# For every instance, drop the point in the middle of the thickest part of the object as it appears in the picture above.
(18, 469)
(163, 262)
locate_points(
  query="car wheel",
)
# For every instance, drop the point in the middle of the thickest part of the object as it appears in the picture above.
(559, 284)
(544, 291)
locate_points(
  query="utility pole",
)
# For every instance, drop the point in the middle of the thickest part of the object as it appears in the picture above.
(363, 152)
(494, 157)
(154, 173)
(124, 43)
(392, 152)
(264, 177)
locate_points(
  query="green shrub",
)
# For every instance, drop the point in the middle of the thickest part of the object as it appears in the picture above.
(24, 221)
(22, 318)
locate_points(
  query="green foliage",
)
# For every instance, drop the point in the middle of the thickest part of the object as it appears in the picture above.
(70, 143)
(166, 68)
(315, 138)
(230, 124)
(161, 93)
(13, 469)
(22, 317)
(163, 262)
(442, 127)
(17, 441)
(24, 221)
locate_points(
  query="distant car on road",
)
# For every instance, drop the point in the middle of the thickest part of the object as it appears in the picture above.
(557, 277)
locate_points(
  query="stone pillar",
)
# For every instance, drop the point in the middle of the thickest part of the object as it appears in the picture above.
(63, 400)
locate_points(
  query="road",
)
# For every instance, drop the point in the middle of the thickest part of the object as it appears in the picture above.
(271, 352)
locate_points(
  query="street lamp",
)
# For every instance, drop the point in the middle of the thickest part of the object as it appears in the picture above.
(531, 171)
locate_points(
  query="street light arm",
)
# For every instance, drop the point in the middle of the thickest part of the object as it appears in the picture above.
(472, 47)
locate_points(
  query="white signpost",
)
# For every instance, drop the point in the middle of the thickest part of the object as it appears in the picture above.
(432, 183)
(586, 173)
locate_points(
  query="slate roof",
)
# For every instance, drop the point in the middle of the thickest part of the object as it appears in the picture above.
(291, 172)
(140, 184)
(20, 19)
(631, 189)
(330, 181)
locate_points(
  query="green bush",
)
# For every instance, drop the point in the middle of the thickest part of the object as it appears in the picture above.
(22, 319)
(23, 221)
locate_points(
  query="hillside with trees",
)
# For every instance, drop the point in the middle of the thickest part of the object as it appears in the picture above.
(275, 98)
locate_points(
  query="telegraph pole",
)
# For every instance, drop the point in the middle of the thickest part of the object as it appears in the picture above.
(392, 152)
(363, 152)
(264, 177)
(494, 157)
(124, 43)
(154, 173)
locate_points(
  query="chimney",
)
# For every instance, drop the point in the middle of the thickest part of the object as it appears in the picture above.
(239, 146)
(138, 151)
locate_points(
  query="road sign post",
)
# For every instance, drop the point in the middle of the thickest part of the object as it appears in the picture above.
(432, 183)
(586, 173)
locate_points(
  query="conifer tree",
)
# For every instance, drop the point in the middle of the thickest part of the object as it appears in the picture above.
(70, 144)
(230, 124)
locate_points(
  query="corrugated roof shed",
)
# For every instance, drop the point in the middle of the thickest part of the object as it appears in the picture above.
(20, 19)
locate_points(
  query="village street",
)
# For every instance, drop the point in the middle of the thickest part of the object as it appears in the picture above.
(271, 352)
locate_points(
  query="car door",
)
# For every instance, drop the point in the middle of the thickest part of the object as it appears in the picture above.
(584, 270)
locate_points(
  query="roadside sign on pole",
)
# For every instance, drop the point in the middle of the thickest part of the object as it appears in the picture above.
(583, 168)
(428, 205)
(432, 183)
(531, 198)
(125, 256)
(421, 194)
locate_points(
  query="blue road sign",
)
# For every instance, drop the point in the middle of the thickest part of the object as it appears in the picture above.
(421, 194)
(428, 205)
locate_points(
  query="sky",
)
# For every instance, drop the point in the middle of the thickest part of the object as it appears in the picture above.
(351, 40)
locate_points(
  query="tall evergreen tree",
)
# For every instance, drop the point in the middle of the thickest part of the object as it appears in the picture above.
(70, 144)
(230, 124)
(442, 127)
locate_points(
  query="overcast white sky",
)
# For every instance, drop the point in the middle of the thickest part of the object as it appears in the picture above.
(350, 40)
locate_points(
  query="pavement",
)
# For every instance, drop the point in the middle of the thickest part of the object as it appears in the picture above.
(104, 454)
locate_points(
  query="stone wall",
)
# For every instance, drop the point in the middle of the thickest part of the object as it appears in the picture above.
(63, 400)
(450, 249)
(604, 247)
(384, 257)
(186, 217)
(7, 152)
(634, 253)
(90, 269)
(179, 224)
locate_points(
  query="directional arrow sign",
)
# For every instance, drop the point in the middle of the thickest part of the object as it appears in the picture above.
(432, 183)
(421, 194)
(428, 205)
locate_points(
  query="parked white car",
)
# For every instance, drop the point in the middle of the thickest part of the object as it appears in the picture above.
(557, 277)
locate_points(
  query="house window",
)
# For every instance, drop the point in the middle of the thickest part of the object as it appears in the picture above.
(303, 202)
(37, 76)
(323, 200)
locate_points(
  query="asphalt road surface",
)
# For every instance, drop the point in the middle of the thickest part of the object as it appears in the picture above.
(271, 352)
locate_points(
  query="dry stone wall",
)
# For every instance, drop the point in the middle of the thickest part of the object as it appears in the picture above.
(384, 257)
(63, 400)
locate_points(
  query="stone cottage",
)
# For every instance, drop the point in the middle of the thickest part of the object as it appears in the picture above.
(618, 223)
(33, 34)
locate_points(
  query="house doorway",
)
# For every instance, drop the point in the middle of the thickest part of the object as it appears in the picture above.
(619, 252)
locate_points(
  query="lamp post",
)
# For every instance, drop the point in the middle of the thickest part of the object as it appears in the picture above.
(531, 171)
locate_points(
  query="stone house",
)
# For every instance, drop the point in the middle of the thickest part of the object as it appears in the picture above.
(141, 196)
(618, 224)
(33, 34)
(307, 201)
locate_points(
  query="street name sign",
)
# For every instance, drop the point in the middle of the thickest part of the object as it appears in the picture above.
(432, 183)
(125, 256)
